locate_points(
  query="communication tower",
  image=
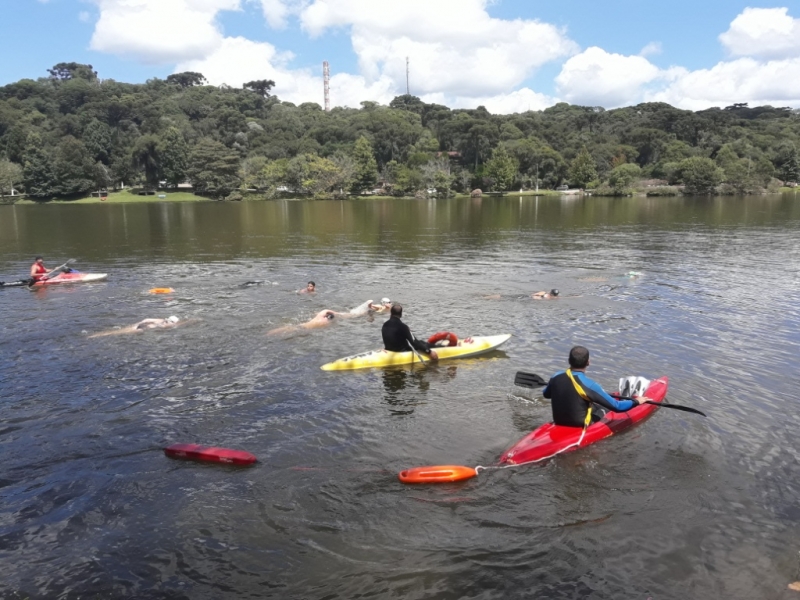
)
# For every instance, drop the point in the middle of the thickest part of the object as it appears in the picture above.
(326, 78)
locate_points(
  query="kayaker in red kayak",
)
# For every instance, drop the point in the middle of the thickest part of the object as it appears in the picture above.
(397, 337)
(38, 270)
(573, 394)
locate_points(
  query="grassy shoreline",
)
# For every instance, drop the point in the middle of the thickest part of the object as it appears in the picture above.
(125, 197)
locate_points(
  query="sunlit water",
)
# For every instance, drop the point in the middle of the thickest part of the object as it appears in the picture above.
(679, 507)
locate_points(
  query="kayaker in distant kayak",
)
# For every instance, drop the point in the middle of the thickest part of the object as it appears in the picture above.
(310, 288)
(142, 325)
(545, 295)
(38, 270)
(397, 337)
(573, 394)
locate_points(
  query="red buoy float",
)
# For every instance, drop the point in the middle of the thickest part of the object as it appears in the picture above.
(209, 454)
(452, 338)
(437, 474)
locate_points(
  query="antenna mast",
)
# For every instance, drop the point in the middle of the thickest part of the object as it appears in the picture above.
(326, 77)
(408, 88)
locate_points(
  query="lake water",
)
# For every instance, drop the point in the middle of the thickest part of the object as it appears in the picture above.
(679, 507)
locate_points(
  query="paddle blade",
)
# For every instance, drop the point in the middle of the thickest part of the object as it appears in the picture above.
(529, 380)
(677, 407)
(437, 474)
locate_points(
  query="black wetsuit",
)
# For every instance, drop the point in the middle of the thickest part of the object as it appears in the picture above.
(569, 408)
(397, 336)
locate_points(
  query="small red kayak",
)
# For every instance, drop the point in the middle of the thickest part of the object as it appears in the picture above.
(73, 277)
(209, 454)
(549, 439)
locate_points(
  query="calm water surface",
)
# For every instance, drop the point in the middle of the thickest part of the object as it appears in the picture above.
(679, 507)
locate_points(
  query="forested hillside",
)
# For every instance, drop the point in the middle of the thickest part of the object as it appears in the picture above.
(71, 132)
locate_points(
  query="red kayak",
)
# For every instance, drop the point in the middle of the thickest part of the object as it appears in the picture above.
(74, 277)
(549, 440)
(209, 454)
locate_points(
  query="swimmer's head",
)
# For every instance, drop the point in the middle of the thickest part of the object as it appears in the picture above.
(386, 301)
(173, 319)
(311, 286)
(554, 292)
(329, 315)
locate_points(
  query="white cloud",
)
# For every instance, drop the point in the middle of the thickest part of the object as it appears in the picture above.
(159, 31)
(763, 33)
(84, 17)
(238, 60)
(454, 46)
(743, 80)
(598, 78)
(276, 12)
(521, 100)
(651, 48)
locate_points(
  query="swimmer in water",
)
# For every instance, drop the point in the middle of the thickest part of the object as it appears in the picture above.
(551, 295)
(309, 289)
(322, 319)
(142, 325)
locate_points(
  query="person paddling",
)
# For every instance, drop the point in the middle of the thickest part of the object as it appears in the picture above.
(38, 270)
(573, 394)
(397, 337)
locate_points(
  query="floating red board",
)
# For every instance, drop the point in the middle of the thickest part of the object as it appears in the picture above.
(209, 454)
(437, 474)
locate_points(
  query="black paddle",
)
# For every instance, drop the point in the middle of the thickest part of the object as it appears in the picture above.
(532, 380)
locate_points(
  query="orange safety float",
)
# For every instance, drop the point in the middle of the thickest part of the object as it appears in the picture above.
(437, 474)
(452, 338)
(162, 291)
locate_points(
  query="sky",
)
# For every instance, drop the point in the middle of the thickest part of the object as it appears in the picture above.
(507, 55)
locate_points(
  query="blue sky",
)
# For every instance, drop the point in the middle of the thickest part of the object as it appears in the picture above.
(507, 54)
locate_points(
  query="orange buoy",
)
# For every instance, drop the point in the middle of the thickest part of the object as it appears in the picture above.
(437, 474)
(452, 338)
(162, 291)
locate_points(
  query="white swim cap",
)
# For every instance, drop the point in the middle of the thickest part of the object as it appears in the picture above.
(173, 319)
(385, 301)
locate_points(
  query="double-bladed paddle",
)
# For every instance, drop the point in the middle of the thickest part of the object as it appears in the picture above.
(532, 380)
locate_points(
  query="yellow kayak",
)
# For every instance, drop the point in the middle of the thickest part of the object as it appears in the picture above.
(383, 358)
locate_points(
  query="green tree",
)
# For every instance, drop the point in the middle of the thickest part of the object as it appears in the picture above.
(260, 87)
(623, 176)
(366, 167)
(37, 170)
(73, 168)
(437, 175)
(10, 176)
(187, 79)
(213, 169)
(65, 71)
(173, 156)
(582, 169)
(700, 175)
(502, 168)
(145, 157)
(788, 163)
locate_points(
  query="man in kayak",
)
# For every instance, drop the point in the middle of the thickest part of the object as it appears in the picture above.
(573, 394)
(38, 270)
(397, 337)
(545, 295)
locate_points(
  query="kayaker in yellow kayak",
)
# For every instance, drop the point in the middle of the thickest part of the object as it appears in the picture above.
(573, 394)
(397, 337)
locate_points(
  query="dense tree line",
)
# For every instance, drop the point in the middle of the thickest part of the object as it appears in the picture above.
(70, 133)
